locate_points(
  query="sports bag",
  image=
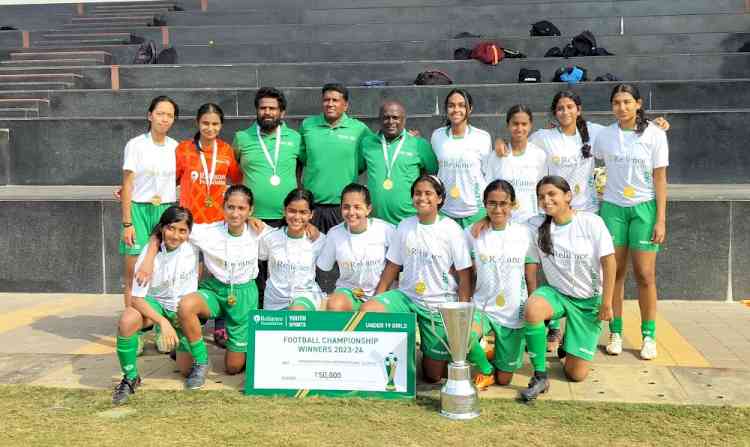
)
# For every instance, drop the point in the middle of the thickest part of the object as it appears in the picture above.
(433, 77)
(572, 74)
(513, 54)
(584, 44)
(461, 54)
(526, 75)
(146, 53)
(544, 28)
(488, 53)
(167, 56)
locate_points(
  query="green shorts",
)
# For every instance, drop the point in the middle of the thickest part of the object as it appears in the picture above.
(466, 222)
(583, 327)
(430, 323)
(305, 302)
(215, 293)
(510, 344)
(173, 320)
(351, 297)
(145, 216)
(631, 226)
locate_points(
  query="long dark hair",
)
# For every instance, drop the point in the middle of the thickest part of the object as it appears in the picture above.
(545, 238)
(641, 123)
(204, 109)
(172, 215)
(356, 187)
(467, 98)
(583, 130)
(239, 189)
(159, 99)
(436, 183)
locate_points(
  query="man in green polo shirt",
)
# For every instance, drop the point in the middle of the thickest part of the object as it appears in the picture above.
(329, 154)
(268, 153)
(394, 159)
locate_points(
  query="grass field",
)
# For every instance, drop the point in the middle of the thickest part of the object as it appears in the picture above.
(46, 416)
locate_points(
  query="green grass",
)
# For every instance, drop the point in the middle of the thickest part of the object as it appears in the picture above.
(48, 416)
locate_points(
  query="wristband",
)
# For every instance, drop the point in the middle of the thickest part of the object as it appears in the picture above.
(127, 224)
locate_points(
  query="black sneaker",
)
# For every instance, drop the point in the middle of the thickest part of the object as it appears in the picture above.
(554, 337)
(539, 384)
(197, 376)
(123, 391)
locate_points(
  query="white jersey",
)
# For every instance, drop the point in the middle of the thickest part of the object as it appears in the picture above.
(175, 275)
(462, 162)
(154, 168)
(631, 159)
(427, 253)
(575, 267)
(500, 257)
(523, 172)
(230, 259)
(360, 256)
(564, 159)
(291, 269)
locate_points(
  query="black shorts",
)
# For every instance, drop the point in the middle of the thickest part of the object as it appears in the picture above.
(326, 217)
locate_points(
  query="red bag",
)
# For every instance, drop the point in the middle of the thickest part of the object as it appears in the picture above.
(488, 53)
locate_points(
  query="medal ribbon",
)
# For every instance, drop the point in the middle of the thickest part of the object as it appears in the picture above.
(275, 162)
(390, 163)
(209, 178)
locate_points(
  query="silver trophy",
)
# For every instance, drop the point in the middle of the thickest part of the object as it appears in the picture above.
(458, 397)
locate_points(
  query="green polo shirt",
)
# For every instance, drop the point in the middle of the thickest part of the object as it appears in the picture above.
(416, 156)
(257, 172)
(329, 154)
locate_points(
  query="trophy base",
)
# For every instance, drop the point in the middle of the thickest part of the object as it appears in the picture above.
(458, 397)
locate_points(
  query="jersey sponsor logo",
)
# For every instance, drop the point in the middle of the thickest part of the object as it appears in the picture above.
(367, 265)
(346, 137)
(628, 159)
(586, 351)
(492, 259)
(420, 253)
(457, 164)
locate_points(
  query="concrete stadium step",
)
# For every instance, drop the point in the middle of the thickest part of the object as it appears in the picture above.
(531, 12)
(41, 77)
(81, 42)
(65, 35)
(443, 49)
(694, 263)
(115, 21)
(117, 54)
(425, 101)
(513, 26)
(39, 107)
(705, 146)
(102, 57)
(236, 5)
(32, 86)
(18, 112)
(73, 62)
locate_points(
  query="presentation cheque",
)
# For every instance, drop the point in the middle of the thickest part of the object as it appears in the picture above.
(331, 353)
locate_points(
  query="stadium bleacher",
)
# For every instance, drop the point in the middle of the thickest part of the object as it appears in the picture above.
(70, 99)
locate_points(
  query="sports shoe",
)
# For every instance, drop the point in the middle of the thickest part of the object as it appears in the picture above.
(553, 339)
(123, 391)
(221, 337)
(648, 351)
(539, 384)
(484, 381)
(614, 347)
(197, 376)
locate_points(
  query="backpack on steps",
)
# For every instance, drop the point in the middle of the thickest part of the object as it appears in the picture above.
(146, 53)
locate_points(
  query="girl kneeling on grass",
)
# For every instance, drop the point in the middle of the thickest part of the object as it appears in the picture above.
(156, 302)
(577, 256)
(358, 246)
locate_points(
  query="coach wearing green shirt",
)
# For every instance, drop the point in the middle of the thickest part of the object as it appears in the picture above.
(268, 152)
(394, 159)
(329, 154)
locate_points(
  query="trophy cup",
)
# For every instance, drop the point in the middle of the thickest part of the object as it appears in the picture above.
(391, 361)
(458, 397)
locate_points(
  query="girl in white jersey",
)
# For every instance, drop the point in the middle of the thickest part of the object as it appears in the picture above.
(291, 257)
(156, 302)
(577, 256)
(636, 154)
(462, 151)
(148, 183)
(436, 269)
(524, 165)
(504, 272)
(358, 246)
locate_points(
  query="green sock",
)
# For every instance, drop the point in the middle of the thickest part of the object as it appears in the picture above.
(536, 341)
(127, 352)
(198, 351)
(648, 329)
(554, 324)
(615, 325)
(478, 357)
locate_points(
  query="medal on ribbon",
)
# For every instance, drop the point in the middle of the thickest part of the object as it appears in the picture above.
(209, 176)
(156, 200)
(388, 183)
(420, 287)
(455, 192)
(628, 192)
(500, 300)
(231, 299)
(275, 180)
(358, 292)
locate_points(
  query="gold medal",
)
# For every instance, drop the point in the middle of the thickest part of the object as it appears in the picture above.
(231, 300)
(359, 293)
(500, 300)
(420, 288)
(209, 202)
(483, 258)
(628, 192)
(455, 192)
(156, 200)
(577, 189)
(556, 160)
(388, 184)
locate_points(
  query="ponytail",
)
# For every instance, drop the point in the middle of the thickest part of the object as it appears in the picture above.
(583, 130)
(197, 141)
(545, 237)
(641, 123)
